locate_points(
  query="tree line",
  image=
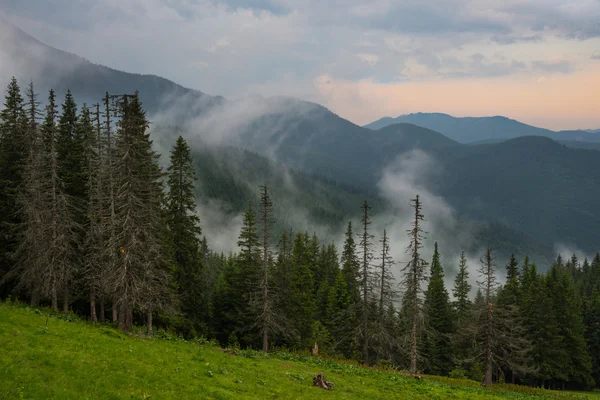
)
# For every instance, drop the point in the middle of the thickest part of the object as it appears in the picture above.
(92, 224)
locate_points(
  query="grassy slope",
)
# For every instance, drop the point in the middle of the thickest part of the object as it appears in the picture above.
(72, 360)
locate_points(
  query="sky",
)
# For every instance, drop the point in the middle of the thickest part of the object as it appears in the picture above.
(537, 61)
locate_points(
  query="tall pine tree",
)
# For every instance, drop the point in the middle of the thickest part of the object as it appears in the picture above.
(184, 228)
(437, 346)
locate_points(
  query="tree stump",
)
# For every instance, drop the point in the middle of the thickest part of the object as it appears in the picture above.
(320, 381)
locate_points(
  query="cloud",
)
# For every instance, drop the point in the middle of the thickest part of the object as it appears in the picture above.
(556, 66)
(411, 174)
(508, 39)
(220, 227)
(596, 55)
(370, 59)
(566, 251)
(248, 43)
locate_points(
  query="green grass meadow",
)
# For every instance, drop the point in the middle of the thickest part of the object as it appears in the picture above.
(46, 356)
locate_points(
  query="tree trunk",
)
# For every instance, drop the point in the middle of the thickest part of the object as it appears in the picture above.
(149, 323)
(129, 319)
(122, 316)
(65, 301)
(114, 312)
(102, 310)
(35, 298)
(93, 316)
(265, 330)
(413, 347)
(488, 364)
(126, 318)
(54, 299)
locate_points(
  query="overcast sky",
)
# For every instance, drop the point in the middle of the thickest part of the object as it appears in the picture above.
(537, 61)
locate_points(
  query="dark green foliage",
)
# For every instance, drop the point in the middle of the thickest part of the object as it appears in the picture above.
(70, 150)
(13, 153)
(234, 308)
(301, 306)
(340, 318)
(566, 314)
(436, 347)
(461, 290)
(185, 233)
(351, 265)
(249, 256)
(510, 293)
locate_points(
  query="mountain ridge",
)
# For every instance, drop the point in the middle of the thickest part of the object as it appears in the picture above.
(479, 129)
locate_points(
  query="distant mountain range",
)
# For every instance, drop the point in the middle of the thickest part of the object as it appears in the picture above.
(532, 184)
(478, 129)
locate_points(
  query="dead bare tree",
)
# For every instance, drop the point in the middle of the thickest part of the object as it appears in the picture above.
(388, 294)
(366, 276)
(46, 249)
(414, 277)
(267, 319)
(494, 335)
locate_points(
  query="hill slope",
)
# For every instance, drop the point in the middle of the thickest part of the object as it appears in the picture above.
(47, 356)
(533, 184)
(29, 59)
(229, 177)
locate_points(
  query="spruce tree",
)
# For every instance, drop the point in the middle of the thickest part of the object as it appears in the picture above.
(510, 294)
(301, 306)
(70, 150)
(266, 316)
(437, 347)
(338, 318)
(247, 275)
(461, 290)
(185, 232)
(351, 265)
(566, 312)
(139, 277)
(591, 319)
(414, 277)
(13, 158)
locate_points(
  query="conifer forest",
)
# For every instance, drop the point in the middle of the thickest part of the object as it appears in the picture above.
(93, 224)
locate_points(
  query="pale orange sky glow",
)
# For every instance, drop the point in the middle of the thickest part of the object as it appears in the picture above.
(556, 102)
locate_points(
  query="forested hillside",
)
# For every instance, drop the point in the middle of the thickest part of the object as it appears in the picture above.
(231, 177)
(533, 184)
(92, 223)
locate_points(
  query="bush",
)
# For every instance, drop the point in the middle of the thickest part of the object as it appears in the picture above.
(458, 373)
